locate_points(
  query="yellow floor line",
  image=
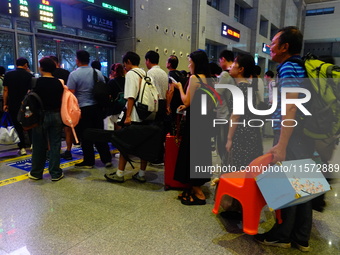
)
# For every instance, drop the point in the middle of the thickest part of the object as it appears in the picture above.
(16, 158)
(25, 177)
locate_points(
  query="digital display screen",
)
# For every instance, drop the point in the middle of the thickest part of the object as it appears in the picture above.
(117, 6)
(46, 11)
(230, 32)
(266, 48)
(49, 11)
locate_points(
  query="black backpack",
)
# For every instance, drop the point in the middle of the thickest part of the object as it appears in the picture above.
(101, 93)
(31, 112)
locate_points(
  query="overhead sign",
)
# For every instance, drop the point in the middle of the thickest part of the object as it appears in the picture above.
(46, 11)
(230, 32)
(266, 48)
(118, 6)
(97, 22)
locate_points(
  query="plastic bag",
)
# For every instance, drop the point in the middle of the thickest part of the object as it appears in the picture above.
(8, 134)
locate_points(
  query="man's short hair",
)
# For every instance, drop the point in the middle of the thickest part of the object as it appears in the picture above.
(47, 64)
(133, 57)
(153, 57)
(173, 61)
(257, 70)
(214, 68)
(270, 74)
(96, 64)
(293, 36)
(83, 56)
(228, 55)
(55, 59)
(21, 62)
(2, 70)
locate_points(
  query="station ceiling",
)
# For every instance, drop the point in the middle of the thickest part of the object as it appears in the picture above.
(317, 1)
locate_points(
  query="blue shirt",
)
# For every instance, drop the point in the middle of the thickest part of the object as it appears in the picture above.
(290, 74)
(82, 82)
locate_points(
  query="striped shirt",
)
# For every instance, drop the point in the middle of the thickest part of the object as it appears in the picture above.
(290, 74)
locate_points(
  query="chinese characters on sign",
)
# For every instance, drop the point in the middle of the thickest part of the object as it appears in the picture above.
(230, 32)
(97, 23)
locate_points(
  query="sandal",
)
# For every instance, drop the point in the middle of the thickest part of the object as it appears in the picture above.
(185, 193)
(192, 199)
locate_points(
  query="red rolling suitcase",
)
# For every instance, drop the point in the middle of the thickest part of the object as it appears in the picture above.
(171, 152)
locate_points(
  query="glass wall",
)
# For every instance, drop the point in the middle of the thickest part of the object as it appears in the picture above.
(99, 53)
(7, 51)
(104, 58)
(67, 56)
(5, 22)
(24, 25)
(25, 48)
(46, 47)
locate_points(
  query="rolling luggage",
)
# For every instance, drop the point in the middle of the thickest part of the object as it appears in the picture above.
(172, 143)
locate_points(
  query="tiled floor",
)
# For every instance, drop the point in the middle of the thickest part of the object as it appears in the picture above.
(84, 214)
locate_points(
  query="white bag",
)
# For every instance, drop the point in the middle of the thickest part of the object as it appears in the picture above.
(8, 134)
(146, 103)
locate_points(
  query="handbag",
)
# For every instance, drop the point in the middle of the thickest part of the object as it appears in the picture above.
(291, 183)
(8, 134)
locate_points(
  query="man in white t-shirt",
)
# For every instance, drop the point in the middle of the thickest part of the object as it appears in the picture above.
(131, 62)
(160, 79)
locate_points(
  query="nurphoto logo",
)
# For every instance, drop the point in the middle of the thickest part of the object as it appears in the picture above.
(238, 105)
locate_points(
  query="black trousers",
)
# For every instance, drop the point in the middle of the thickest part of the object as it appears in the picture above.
(296, 220)
(91, 117)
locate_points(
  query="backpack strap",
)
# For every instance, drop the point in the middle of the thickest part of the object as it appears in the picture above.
(210, 94)
(33, 83)
(36, 96)
(95, 75)
(140, 84)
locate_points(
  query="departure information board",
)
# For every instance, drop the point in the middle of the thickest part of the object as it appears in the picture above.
(46, 11)
(49, 11)
(230, 32)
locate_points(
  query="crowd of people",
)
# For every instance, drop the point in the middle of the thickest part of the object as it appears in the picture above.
(236, 144)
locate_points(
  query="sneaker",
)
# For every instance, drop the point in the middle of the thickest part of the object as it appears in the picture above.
(260, 239)
(108, 165)
(22, 152)
(33, 177)
(66, 155)
(139, 178)
(59, 178)
(113, 177)
(302, 246)
(83, 165)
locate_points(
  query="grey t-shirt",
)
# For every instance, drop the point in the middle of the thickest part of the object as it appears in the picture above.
(223, 111)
